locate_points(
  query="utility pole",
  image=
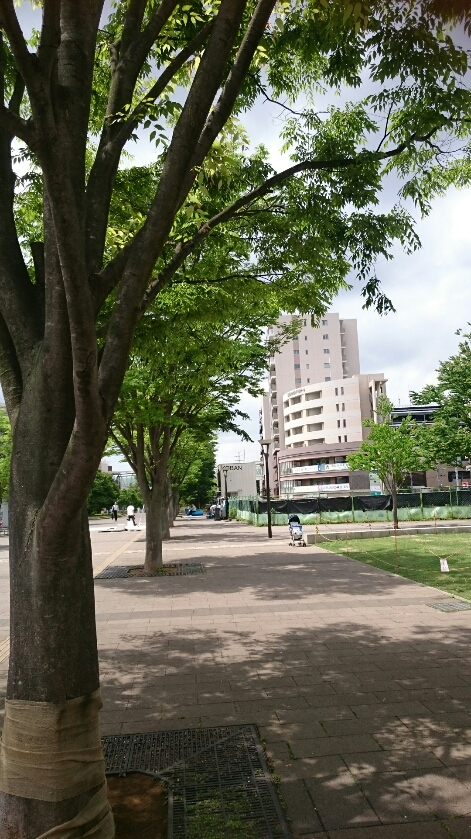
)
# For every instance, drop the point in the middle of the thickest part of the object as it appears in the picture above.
(265, 444)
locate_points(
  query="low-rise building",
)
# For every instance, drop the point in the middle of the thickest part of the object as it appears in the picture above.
(243, 479)
(323, 423)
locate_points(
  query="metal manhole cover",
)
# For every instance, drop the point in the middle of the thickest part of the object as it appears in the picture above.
(171, 569)
(219, 780)
(452, 606)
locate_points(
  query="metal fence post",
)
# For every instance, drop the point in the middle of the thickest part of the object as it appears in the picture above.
(353, 507)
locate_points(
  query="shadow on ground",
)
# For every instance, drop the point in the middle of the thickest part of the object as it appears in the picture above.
(363, 727)
(289, 574)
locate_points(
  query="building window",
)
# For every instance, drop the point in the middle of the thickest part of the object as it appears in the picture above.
(305, 322)
(345, 423)
(308, 381)
(326, 363)
(341, 391)
(326, 352)
(338, 423)
(307, 352)
(345, 438)
(336, 391)
(325, 337)
(297, 381)
(340, 439)
(296, 352)
(337, 406)
(327, 378)
(325, 323)
(305, 337)
(297, 366)
(343, 406)
(307, 366)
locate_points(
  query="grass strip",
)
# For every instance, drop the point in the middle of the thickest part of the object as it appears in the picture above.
(416, 558)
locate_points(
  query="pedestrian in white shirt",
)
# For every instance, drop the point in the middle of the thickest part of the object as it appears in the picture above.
(131, 513)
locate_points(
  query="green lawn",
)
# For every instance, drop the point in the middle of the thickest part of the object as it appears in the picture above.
(417, 558)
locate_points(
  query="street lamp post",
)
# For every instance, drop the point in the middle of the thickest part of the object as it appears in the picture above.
(265, 444)
(225, 470)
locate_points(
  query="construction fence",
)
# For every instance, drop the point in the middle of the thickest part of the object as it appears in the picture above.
(412, 506)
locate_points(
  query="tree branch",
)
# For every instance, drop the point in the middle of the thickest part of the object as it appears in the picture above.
(127, 127)
(10, 373)
(158, 224)
(114, 138)
(17, 297)
(231, 90)
(128, 57)
(50, 36)
(25, 61)
(15, 126)
(185, 249)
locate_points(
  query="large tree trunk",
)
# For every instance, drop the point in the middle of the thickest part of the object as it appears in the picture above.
(173, 505)
(155, 514)
(166, 512)
(53, 643)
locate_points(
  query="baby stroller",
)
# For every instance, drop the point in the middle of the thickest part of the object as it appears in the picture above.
(296, 532)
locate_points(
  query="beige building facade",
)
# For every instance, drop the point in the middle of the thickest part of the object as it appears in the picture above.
(315, 406)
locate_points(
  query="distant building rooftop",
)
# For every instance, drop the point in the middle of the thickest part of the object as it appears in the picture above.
(420, 413)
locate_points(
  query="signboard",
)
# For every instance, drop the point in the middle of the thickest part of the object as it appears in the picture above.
(321, 467)
(375, 484)
(295, 392)
(316, 488)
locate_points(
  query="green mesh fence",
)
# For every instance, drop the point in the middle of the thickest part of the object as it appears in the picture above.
(414, 506)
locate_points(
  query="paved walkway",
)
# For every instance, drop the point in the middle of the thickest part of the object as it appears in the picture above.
(360, 690)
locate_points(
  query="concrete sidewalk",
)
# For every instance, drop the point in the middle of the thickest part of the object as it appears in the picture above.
(359, 689)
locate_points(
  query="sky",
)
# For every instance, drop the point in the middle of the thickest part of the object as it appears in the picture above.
(430, 289)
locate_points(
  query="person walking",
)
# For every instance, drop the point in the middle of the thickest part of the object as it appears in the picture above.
(131, 513)
(114, 511)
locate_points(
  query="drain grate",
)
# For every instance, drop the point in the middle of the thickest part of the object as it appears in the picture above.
(173, 569)
(452, 606)
(220, 783)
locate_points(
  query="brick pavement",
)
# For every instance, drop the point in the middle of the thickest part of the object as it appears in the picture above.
(359, 689)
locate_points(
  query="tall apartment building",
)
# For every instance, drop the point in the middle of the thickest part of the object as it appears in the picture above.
(316, 403)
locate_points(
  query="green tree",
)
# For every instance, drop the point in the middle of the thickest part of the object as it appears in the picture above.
(449, 436)
(199, 483)
(73, 286)
(103, 493)
(189, 378)
(390, 451)
(5, 454)
(130, 495)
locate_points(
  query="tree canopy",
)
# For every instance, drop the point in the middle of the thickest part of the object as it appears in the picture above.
(449, 435)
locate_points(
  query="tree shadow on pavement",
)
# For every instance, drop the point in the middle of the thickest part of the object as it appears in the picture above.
(365, 725)
(294, 574)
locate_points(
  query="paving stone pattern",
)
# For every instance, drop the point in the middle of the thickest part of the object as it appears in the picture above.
(360, 691)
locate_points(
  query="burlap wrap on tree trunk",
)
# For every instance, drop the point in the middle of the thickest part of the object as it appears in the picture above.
(51, 752)
(96, 818)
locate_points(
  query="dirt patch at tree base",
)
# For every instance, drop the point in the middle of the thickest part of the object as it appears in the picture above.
(139, 805)
(164, 571)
